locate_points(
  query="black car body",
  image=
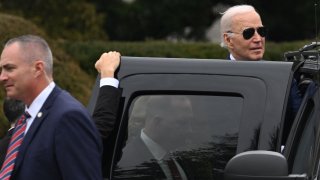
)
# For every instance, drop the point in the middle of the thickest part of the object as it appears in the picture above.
(224, 108)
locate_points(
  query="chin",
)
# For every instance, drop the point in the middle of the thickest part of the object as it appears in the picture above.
(11, 95)
(256, 58)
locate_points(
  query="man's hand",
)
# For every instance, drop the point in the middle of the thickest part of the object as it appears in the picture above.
(108, 64)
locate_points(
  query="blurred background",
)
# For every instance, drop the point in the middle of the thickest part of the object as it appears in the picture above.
(78, 31)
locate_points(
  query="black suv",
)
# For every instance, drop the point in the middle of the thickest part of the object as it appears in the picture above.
(186, 118)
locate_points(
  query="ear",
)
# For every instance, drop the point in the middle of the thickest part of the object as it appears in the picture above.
(38, 68)
(227, 40)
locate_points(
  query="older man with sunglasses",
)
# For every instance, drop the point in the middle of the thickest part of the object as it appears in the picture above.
(243, 34)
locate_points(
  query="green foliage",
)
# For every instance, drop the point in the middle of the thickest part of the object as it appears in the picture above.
(275, 51)
(88, 52)
(11, 26)
(72, 19)
(140, 20)
(145, 19)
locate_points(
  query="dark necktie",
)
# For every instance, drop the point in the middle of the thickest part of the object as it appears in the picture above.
(13, 148)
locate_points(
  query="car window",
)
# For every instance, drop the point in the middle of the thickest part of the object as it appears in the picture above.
(191, 136)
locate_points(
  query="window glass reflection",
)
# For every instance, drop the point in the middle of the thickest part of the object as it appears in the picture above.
(178, 136)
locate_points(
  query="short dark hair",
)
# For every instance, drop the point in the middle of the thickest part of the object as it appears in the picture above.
(38, 48)
(13, 109)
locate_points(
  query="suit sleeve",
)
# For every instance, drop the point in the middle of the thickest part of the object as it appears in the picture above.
(78, 147)
(106, 109)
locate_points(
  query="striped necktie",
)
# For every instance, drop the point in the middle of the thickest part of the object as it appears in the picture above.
(13, 149)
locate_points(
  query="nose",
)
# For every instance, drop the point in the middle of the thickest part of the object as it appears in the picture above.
(3, 76)
(257, 35)
(257, 38)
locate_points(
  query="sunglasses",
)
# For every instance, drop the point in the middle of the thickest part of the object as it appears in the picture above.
(249, 32)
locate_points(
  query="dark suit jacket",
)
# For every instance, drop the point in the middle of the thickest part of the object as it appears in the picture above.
(104, 116)
(62, 143)
(105, 111)
(137, 162)
(4, 143)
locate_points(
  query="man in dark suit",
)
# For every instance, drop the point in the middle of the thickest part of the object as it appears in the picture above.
(104, 114)
(244, 35)
(60, 139)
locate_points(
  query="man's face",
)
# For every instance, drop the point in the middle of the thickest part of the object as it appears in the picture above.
(16, 73)
(176, 125)
(241, 48)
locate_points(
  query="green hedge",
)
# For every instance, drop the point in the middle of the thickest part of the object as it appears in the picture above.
(275, 51)
(88, 52)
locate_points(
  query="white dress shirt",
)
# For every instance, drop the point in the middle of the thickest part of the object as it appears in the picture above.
(232, 58)
(37, 104)
(109, 82)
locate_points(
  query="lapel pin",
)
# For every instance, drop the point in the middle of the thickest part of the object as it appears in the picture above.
(39, 114)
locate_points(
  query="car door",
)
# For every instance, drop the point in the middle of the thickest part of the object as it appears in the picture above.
(187, 117)
(302, 148)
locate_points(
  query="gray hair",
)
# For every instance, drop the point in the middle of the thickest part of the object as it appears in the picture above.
(38, 48)
(226, 19)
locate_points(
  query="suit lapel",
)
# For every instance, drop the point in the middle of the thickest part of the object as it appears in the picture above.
(44, 111)
(228, 57)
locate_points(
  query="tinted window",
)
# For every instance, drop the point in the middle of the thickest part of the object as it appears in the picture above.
(192, 136)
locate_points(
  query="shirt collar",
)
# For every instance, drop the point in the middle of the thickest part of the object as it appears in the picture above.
(232, 58)
(38, 102)
(156, 150)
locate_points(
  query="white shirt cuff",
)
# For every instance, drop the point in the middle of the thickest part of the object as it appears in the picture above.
(109, 82)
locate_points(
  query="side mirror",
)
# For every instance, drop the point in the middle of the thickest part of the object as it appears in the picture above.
(266, 165)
